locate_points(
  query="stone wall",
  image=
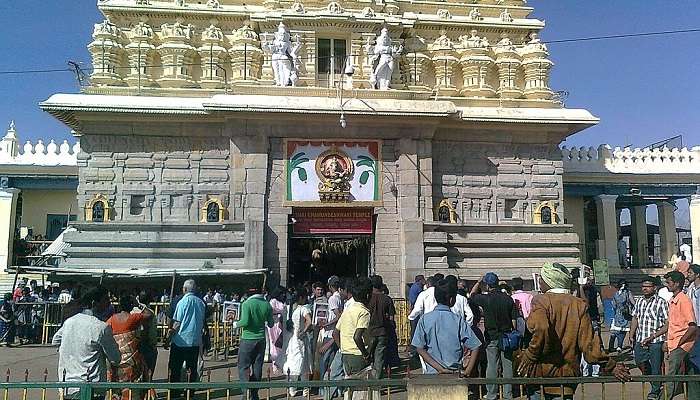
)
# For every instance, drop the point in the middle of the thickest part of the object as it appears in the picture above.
(496, 183)
(154, 178)
(495, 190)
(156, 188)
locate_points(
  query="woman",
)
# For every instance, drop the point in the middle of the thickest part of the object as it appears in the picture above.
(623, 304)
(298, 363)
(126, 328)
(274, 333)
(7, 321)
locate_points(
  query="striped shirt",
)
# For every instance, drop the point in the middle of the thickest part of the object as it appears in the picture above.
(651, 314)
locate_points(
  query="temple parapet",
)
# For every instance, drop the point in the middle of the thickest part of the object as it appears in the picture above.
(626, 160)
(51, 154)
(471, 49)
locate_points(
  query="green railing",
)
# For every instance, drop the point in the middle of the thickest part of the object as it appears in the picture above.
(412, 387)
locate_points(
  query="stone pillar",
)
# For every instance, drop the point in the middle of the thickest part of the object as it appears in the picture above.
(410, 222)
(607, 228)
(8, 210)
(638, 240)
(667, 231)
(695, 226)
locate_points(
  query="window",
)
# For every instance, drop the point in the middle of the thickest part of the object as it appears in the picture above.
(56, 223)
(444, 214)
(546, 215)
(213, 212)
(98, 211)
(509, 206)
(331, 55)
(138, 203)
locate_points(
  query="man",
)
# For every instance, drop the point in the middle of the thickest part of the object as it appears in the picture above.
(425, 302)
(561, 333)
(648, 333)
(329, 349)
(415, 289)
(443, 339)
(65, 297)
(687, 250)
(86, 344)
(682, 331)
(461, 306)
(693, 292)
(382, 312)
(185, 333)
(500, 317)
(622, 251)
(17, 294)
(683, 265)
(209, 297)
(523, 299)
(351, 327)
(462, 287)
(256, 312)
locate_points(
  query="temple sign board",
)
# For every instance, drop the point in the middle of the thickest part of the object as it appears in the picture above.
(333, 172)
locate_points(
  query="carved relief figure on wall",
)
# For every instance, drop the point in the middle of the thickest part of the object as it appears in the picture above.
(336, 172)
(285, 57)
(383, 53)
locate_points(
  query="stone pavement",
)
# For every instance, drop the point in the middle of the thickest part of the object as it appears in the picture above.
(36, 359)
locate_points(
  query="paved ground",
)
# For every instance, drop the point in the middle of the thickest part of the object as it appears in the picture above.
(37, 359)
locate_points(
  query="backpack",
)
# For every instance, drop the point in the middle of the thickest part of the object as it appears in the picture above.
(510, 341)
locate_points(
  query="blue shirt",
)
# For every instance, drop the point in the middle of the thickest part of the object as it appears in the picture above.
(444, 334)
(414, 291)
(189, 312)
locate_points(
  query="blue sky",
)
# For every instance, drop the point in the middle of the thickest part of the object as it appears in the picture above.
(643, 89)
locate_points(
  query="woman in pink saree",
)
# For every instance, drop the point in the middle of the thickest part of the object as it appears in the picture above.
(274, 333)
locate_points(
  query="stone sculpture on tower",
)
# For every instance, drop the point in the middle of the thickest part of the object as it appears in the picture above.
(383, 53)
(285, 58)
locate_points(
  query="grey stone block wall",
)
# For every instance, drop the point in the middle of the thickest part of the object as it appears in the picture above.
(497, 183)
(154, 178)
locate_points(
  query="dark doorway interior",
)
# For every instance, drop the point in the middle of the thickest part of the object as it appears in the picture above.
(344, 256)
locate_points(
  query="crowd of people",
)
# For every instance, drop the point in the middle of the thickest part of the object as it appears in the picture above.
(22, 311)
(506, 332)
(346, 328)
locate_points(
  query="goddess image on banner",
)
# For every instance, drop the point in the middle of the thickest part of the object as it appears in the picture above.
(333, 171)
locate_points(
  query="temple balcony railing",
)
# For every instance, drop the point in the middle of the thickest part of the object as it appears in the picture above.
(627, 160)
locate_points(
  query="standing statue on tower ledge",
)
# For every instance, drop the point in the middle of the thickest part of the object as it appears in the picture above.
(383, 53)
(285, 58)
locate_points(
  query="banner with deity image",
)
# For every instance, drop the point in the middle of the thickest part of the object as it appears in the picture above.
(336, 172)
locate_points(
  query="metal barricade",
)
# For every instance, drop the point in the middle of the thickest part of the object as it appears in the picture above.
(411, 387)
(403, 325)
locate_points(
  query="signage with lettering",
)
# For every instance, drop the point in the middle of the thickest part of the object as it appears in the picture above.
(309, 221)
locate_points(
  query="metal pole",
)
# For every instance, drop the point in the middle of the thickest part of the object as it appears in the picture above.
(245, 61)
(172, 288)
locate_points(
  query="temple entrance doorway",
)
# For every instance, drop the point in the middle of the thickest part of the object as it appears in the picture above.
(317, 258)
(329, 241)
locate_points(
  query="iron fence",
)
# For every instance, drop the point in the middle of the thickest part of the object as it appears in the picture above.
(410, 387)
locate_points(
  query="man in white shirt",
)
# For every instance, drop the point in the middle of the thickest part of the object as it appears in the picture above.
(426, 301)
(86, 344)
(687, 251)
(461, 306)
